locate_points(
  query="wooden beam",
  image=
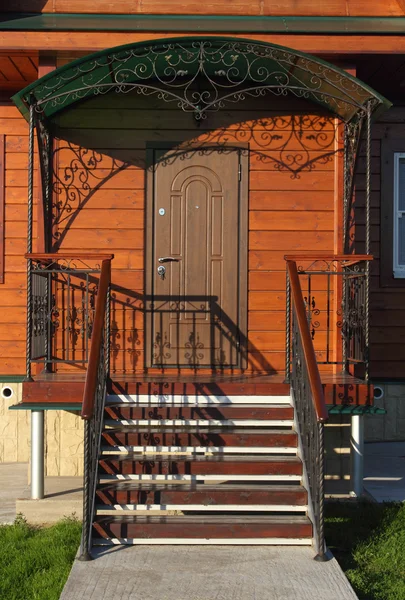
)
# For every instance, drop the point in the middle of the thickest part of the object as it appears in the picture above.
(79, 41)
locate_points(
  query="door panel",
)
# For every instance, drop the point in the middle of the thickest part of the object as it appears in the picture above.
(195, 305)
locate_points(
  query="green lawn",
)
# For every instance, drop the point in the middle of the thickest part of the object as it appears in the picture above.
(35, 561)
(368, 540)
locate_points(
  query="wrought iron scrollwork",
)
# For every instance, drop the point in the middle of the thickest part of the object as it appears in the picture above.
(203, 75)
(62, 302)
(335, 298)
(194, 347)
(83, 171)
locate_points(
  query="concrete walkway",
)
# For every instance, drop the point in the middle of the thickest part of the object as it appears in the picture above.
(206, 573)
(13, 485)
(384, 469)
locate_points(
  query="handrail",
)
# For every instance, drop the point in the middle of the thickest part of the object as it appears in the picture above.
(308, 348)
(347, 259)
(321, 256)
(79, 255)
(96, 340)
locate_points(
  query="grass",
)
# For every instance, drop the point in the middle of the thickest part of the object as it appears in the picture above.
(368, 540)
(35, 561)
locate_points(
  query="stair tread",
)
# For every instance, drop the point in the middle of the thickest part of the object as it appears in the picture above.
(242, 458)
(203, 429)
(206, 518)
(199, 487)
(200, 422)
(233, 406)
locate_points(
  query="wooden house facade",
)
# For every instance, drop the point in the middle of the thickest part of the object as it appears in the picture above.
(202, 209)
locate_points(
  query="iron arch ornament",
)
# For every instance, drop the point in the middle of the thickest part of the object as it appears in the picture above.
(201, 75)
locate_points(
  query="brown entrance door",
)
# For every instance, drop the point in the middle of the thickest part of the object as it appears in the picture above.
(195, 259)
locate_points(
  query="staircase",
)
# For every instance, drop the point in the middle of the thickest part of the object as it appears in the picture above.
(200, 469)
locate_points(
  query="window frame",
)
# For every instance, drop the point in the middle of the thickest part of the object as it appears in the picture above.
(398, 269)
(388, 197)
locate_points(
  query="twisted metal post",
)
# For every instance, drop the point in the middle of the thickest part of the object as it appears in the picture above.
(108, 332)
(85, 541)
(321, 547)
(29, 239)
(368, 243)
(288, 328)
(345, 185)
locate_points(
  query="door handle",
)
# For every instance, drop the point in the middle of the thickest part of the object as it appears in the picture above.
(164, 259)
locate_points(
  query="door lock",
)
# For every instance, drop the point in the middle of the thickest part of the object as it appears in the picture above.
(161, 271)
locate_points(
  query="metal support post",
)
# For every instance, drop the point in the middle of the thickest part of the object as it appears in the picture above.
(37, 454)
(357, 455)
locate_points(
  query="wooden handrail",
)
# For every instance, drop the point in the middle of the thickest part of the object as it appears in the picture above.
(307, 345)
(73, 255)
(96, 340)
(352, 259)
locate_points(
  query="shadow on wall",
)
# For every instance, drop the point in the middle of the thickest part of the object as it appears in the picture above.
(100, 158)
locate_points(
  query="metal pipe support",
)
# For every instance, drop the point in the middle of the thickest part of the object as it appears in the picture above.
(37, 454)
(357, 455)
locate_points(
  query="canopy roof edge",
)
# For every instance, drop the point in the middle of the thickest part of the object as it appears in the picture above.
(202, 74)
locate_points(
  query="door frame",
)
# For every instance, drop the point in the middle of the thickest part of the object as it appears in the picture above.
(243, 210)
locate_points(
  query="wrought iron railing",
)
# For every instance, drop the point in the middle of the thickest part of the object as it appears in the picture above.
(94, 403)
(335, 294)
(61, 307)
(310, 409)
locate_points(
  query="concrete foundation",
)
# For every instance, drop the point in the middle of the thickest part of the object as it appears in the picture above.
(391, 426)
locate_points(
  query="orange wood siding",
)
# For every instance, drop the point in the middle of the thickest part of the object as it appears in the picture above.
(342, 8)
(13, 290)
(84, 41)
(290, 208)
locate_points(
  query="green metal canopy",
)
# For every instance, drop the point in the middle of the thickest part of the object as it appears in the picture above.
(201, 74)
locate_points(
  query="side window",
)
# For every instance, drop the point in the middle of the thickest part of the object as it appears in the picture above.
(399, 216)
(392, 213)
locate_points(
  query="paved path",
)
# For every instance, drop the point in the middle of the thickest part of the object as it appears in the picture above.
(13, 485)
(206, 573)
(384, 468)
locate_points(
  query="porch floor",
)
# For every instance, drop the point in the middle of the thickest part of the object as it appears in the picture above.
(67, 388)
(168, 377)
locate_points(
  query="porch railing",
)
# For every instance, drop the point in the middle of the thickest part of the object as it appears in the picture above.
(311, 412)
(95, 389)
(335, 293)
(62, 291)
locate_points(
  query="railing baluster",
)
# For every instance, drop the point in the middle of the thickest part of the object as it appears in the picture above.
(59, 308)
(311, 412)
(309, 406)
(288, 328)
